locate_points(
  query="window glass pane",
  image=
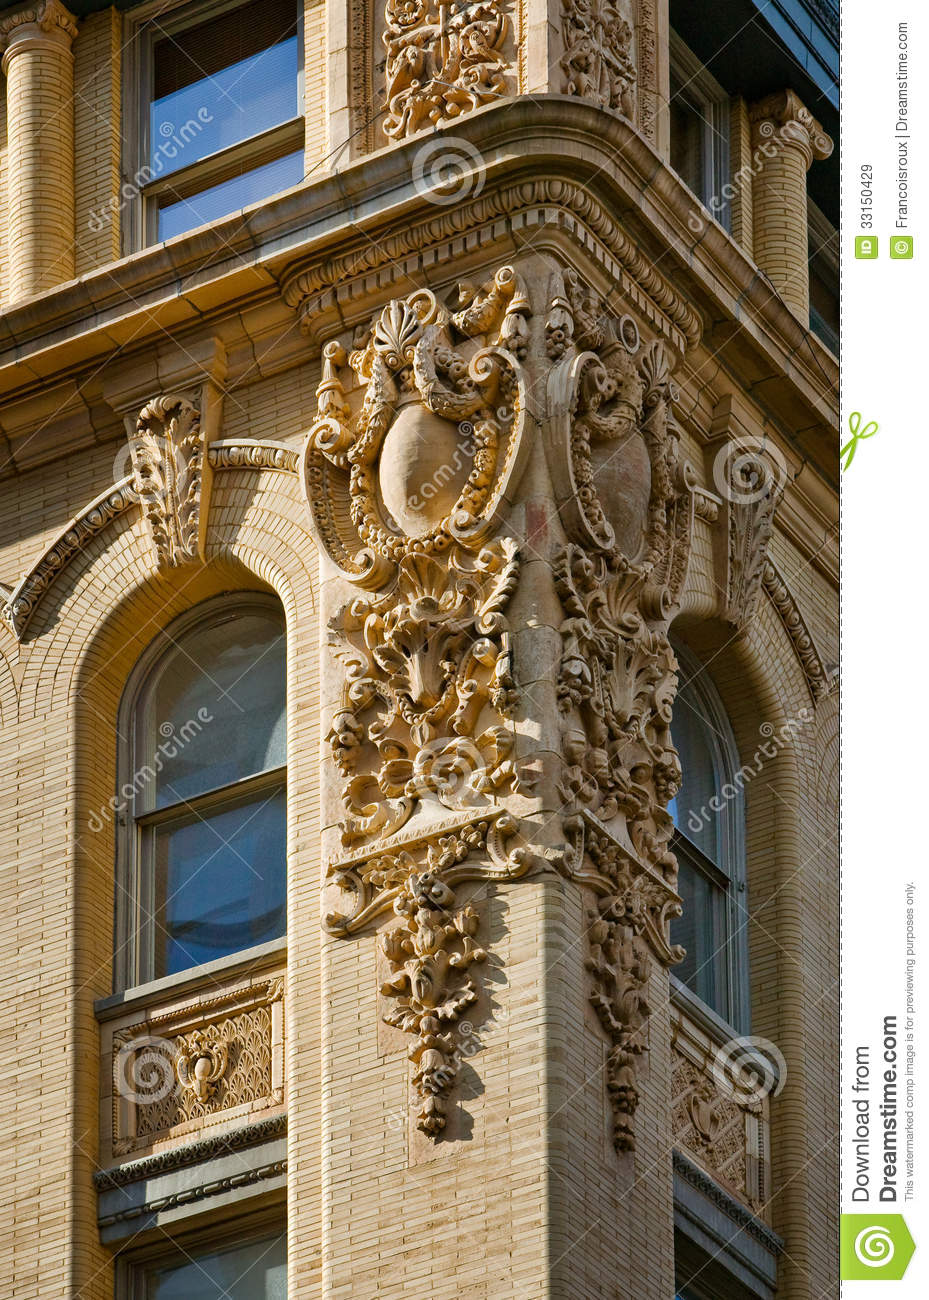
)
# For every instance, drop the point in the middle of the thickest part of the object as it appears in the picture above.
(217, 711)
(687, 145)
(219, 200)
(254, 1271)
(702, 931)
(232, 105)
(691, 809)
(217, 881)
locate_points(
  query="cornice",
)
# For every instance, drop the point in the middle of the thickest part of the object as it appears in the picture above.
(604, 166)
(739, 1215)
(192, 1153)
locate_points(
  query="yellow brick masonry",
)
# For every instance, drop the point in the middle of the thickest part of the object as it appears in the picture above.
(788, 139)
(39, 68)
(544, 1144)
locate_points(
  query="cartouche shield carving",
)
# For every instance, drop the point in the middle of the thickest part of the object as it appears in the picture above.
(415, 455)
(423, 421)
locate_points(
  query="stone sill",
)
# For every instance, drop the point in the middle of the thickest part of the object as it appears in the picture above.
(173, 988)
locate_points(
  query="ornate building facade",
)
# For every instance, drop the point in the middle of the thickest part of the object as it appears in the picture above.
(418, 565)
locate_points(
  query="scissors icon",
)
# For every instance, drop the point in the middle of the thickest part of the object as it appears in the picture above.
(858, 433)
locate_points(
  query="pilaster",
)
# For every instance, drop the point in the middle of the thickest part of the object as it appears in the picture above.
(39, 67)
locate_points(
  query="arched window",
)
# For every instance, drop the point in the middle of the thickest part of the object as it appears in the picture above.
(709, 843)
(202, 786)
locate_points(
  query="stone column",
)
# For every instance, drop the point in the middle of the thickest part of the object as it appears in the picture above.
(786, 138)
(39, 67)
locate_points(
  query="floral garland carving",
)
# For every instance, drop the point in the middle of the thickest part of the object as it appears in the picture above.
(597, 61)
(167, 456)
(627, 930)
(430, 954)
(444, 58)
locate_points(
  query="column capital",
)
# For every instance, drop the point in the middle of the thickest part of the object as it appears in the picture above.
(783, 118)
(47, 23)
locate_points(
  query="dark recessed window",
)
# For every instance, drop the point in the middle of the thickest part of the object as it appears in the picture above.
(824, 278)
(699, 121)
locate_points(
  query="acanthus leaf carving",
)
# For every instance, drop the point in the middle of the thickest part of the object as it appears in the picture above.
(444, 58)
(167, 460)
(597, 62)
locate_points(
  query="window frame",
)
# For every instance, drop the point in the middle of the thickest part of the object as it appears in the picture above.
(139, 226)
(129, 930)
(704, 95)
(260, 1223)
(730, 873)
(823, 240)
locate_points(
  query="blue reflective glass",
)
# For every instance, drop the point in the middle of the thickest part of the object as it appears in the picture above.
(232, 105)
(256, 1270)
(219, 881)
(220, 200)
(217, 710)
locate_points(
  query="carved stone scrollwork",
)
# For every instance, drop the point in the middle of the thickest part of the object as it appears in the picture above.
(418, 435)
(424, 662)
(444, 58)
(419, 429)
(597, 62)
(627, 930)
(167, 459)
(627, 500)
